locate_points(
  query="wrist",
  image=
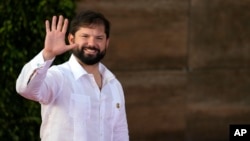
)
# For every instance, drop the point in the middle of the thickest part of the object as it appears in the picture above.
(47, 55)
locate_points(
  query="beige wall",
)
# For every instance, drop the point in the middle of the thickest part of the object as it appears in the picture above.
(184, 65)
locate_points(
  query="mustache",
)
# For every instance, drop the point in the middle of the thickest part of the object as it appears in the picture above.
(91, 48)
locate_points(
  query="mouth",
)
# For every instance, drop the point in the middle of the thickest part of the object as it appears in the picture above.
(89, 50)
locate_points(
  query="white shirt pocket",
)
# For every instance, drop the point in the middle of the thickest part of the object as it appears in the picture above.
(80, 107)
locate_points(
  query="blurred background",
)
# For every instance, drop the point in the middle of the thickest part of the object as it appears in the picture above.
(184, 64)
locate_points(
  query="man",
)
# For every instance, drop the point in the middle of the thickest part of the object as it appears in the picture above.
(81, 100)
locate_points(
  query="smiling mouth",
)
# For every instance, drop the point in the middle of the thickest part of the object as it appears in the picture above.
(90, 50)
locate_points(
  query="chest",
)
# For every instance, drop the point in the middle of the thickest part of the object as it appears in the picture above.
(84, 95)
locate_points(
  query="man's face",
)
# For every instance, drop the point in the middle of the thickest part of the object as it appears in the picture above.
(92, 44)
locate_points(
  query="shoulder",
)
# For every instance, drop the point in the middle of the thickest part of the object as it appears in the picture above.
(59, 71)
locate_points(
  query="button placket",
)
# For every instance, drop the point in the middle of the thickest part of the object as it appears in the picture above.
(102, 111)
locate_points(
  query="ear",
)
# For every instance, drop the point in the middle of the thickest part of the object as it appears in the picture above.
(71, 38)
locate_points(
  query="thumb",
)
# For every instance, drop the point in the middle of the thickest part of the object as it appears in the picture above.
(71, 46)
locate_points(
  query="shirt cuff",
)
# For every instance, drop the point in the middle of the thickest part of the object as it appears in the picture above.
(38, 63)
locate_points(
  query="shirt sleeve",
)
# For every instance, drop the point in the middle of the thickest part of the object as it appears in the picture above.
(121, 125)
(30, 82)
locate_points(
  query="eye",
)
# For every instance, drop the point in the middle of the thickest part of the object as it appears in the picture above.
(99, 38)
(85, 36)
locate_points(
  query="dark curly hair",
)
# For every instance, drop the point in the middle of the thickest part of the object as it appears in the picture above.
(88, 18)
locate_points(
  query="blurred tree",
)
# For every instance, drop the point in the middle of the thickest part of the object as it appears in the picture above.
(22, 35)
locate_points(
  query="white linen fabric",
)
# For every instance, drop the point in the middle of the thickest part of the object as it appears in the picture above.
(73, 108)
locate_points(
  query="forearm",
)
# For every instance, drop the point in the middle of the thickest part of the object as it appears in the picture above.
(32, 76)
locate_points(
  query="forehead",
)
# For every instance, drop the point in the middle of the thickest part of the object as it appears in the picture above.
(91, 29)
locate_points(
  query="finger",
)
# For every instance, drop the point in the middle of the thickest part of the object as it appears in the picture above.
(53, 26)
(60, 22)
(47, 26)
(65, 25)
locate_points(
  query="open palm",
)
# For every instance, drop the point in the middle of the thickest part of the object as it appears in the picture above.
(55, 38)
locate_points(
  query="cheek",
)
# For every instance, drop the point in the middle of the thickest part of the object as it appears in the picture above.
(80, 42)
(102, 47)
(104, 44)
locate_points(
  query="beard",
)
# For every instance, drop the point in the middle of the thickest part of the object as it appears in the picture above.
(89, 59)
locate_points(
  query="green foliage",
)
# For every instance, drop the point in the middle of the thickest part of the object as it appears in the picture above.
(22, 35)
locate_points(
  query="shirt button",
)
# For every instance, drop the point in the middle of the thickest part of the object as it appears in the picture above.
(39, 65)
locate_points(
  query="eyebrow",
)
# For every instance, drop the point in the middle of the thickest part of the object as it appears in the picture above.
(100, 35)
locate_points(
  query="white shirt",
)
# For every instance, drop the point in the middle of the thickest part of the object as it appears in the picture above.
(73, 106)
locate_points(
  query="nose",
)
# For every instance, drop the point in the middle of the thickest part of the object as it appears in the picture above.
(91, 41)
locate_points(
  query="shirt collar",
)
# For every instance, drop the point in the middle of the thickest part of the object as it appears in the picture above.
(107, 75)
(79, 71)
(76, 68)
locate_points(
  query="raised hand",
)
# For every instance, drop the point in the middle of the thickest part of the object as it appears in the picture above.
(55, 38)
